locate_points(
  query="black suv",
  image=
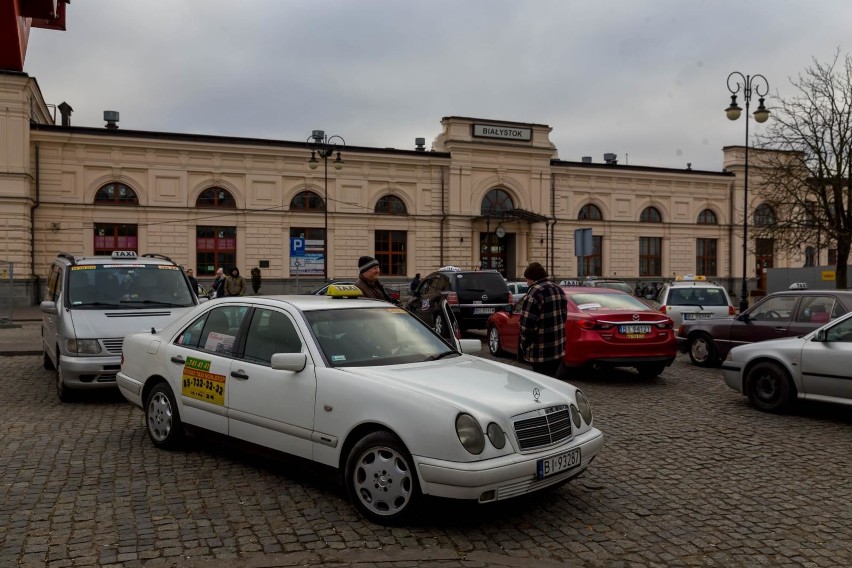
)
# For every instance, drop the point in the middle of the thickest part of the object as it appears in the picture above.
(473, 295)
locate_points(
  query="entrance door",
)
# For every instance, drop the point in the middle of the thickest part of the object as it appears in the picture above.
(494, 251)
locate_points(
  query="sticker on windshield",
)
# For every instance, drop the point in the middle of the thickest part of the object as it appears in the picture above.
(396, 311)
(590, 306)
(84, 267)
(338, 358)
(199, 383)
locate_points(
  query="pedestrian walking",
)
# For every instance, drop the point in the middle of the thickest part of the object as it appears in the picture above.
(235, 285)
(415, 282)
(542, 324)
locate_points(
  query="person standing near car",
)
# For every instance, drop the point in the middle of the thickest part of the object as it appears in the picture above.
(542, 324)
(368, 279)
(415, 282)
(217, 289)
(193, 282)
(235, 285)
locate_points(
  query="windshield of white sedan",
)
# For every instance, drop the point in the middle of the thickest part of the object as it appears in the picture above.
(104, 286)
(375, 336)
(592, 301)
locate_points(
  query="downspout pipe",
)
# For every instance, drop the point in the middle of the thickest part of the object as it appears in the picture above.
(33, 207)
(443, 215)
(552, 266)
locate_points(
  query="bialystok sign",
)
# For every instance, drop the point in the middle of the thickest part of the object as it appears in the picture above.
(504, 132)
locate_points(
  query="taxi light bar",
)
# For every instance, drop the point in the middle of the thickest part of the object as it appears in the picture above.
(123, 254)
(344, 291)
(690, 278)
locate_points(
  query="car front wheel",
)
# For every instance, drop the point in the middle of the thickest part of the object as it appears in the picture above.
(702, 350)
(494, 342)
(62, 391)
(769, 387)
(162, 417)
(381, 480)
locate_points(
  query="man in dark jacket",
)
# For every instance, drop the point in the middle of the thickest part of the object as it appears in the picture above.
(368, 279)
(543, 316)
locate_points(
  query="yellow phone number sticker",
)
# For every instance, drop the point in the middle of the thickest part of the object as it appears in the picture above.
(199, 383)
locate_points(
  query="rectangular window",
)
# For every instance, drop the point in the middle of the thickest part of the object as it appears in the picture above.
(592, 265)
(705, 257)
(109, 238)
(650, 256)
(215, 247)
(390, 252)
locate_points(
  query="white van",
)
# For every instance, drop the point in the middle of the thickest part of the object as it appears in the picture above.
(93, 302)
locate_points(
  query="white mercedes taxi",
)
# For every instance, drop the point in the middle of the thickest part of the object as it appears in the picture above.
(363, 387)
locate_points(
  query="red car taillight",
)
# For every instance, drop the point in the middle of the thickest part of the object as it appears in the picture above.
(453, 299)
(663, 309)
(593, 325)
(731, 310)
(665, 325)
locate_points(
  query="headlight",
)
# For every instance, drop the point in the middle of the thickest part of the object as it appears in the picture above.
(497, 436)
(83, 346)
(470, 434)
(584, 406)
(575, 416)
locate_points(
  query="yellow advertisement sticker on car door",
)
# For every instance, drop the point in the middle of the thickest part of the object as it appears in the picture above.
(199, 383)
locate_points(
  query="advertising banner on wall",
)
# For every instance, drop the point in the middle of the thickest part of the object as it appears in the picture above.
(306, 257)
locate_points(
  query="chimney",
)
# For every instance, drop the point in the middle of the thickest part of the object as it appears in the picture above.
(65, 111)
(111, 118)
(420, 144)
(587, 159)
(611, 159)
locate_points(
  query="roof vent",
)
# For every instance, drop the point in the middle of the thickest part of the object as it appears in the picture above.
(111, 118)
(587, 159)
(611, 159)
(420, 144)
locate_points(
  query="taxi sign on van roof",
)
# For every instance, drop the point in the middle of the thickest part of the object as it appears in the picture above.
(798, 286)
(690, 278)
(343, 291)
(124, 254)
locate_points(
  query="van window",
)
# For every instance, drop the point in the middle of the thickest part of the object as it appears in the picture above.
(124, 285)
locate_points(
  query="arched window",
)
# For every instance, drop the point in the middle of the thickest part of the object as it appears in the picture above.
(764, 215)
(590, 212)
(707, 217)
(116, 194)
(307, 201)
(651, 215)
(390, 205)
(216, 197)
(497, 201)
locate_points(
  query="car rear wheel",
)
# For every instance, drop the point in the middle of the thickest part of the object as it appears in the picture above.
(162, 417)
(381, 480)
(702, 350)
(650, 370)
(494, 342)
(769, 387)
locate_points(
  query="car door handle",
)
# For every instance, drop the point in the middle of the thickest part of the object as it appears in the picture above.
(239, 375)
(780, 329)
(178, 359)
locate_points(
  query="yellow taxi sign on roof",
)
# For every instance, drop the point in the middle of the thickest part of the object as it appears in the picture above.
(123, 254)
(343, 291)
(690, 278)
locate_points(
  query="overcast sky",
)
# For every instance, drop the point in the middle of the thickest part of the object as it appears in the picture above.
(643, 79)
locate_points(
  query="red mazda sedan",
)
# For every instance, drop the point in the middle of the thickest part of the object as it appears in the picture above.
(606, 328)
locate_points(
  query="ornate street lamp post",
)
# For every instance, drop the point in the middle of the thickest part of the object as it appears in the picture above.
(748, 84)
(324, 146)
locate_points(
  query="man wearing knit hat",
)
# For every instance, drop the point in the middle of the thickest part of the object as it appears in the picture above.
(543, 315)
(368, 279)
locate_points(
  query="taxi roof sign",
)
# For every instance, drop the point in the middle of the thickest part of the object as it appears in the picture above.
(798, 286)
(124, 254)
(690, 278)
(344, 291)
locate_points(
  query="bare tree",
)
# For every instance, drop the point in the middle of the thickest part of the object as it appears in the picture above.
(808, 184)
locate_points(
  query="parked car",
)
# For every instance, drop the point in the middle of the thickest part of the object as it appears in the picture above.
(609, 283)
(473, 295)
(366, 389)
(781, 314)
(691, 298)
(323, 290)
(92, 302)
(775, 374)
(518, 290)
(606, 328)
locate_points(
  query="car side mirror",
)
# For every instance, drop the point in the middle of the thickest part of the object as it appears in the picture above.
(48, 307)
(744, 316)
(821, 336)
(295, 362)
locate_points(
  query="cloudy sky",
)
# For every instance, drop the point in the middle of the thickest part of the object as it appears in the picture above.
(644, 79)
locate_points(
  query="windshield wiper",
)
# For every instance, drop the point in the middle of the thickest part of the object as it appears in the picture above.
(437, 356)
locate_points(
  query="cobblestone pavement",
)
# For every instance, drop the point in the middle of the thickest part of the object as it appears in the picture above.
(689, 475)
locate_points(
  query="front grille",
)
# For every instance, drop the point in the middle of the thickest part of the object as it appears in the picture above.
(542, 428)
(113, 345)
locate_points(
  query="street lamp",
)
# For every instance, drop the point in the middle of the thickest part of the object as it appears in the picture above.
(324, 146)
(748, 84)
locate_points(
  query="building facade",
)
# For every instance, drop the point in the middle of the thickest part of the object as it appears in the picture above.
(488, 194)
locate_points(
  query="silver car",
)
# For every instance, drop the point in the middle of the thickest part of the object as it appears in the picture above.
(518, 290)
(692, 300)
(776, 373)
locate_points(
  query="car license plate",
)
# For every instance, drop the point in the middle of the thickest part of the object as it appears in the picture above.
(477, 311)
(697, 315)
(558, 463)
(634, 329)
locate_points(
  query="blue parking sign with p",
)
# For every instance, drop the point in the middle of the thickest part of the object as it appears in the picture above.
(297, 246)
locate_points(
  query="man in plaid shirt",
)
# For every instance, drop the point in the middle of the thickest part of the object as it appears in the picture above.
(543, 315)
